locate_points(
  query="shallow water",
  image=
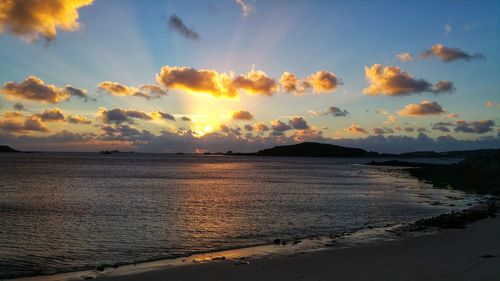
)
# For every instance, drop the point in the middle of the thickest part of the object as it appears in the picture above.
(72, 211)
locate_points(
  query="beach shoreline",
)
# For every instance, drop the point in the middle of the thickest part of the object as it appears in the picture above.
(316, 249)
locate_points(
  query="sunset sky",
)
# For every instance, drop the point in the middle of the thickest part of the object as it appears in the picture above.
(194, 76)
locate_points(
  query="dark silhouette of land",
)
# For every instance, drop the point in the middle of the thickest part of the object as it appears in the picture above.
(478, 172)
(314, 149)
(5, 148)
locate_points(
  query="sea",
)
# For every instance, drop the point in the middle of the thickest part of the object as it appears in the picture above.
(64, 212)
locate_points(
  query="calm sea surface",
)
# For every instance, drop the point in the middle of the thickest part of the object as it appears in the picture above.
(73, 211)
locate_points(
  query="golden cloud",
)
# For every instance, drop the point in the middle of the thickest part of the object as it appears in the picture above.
(34, 89)
(144, 91)
(356, 129)
(257, 83)
(392, 81)
(323, 81)
(425, 107)
(242, 115)
(78, 119)
(51, 115)
(30, 19)
(291, 84)
(197, 81)
(15, 122)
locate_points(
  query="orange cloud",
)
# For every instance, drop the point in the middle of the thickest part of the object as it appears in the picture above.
(323, 81)
(34, 89)
(197, 81)
(257, 83)
(30, 19)
(425, 107)
(356, 129)
(392, 81)
(15, 122)
(291, 84)
(242, 115)
(51, 115)
(78, 119)
(260, 127)
(144, 91)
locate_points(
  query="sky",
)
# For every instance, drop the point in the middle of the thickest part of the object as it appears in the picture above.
(243, 75)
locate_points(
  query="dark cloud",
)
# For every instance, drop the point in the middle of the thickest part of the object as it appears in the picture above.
(186, 119)
(383, 131)
(242, 115)
(118, 115)
(34, 89)
(337, 112)
(279, 126)
(392, 81)
(442, 126)
(51, 115)
(298, 123)
(162, 115)
(449, 54)
(475, 127)
(80, 93)
(175, 23)
(19, 106)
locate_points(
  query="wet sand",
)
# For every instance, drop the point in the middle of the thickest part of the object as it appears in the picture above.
(472, 253)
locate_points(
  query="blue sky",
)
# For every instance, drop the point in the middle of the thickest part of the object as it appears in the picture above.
(129, 42)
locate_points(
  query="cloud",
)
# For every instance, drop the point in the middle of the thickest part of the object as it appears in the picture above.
(442, 126)
(51, 115)
(175, 23)
(449, 54)
(19, 106)
(186, 119)
(256, 82)
(118, 115)
(144, 91)
(76, 92)
(291, 84)
(491, 104)
(30, 19)
(425, 107)
(356, 129)
(261, 127)
(390, 117)
(475, 127)
(392, 81)
(242, 115)
(448, 28)
(34, 89)
(278, 126)
(78, 119)
(337, 112)
(162, 116)
(15, 122)
(246, 8)
(196, 81)
(298, 123)
(404, 57)
(383, 131)
(323, 81)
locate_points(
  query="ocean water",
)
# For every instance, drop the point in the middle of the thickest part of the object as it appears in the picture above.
(64, 212)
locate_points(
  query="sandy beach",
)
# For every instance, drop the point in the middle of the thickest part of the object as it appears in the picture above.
(472, 253)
